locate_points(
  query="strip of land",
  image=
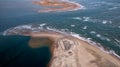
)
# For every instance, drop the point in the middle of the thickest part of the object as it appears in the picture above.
(69, 51)
(57, 5)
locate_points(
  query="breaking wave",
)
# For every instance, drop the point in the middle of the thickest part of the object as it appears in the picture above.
(90, 19)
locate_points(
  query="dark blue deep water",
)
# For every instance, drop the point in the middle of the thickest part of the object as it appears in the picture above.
(99, 20)
(15, 52)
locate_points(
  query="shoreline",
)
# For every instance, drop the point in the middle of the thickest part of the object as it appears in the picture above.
(82, 43)
(58, 36)
(58, 6)
(98, 46)
(50, 30)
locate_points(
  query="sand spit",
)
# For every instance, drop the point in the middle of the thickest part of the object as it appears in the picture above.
(67, 49)
(57, 6)
(70, 51)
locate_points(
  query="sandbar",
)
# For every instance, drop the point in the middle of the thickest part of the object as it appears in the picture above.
(69, 51)
(58, 5)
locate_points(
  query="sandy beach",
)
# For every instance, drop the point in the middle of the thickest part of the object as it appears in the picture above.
(58, 6)
(70, 51)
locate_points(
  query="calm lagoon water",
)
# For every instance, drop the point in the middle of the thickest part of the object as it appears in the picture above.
(15, 52)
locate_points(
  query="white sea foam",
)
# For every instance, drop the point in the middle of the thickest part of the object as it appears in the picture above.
(82, 18)
(93, 32)
(72, 25)
(42, 24)
(94, 20)
(104, 21)
(85, 27)
(117, 42)
(77, 18)
(108, 39)
(86, 18)
(89, 38)
(98, 35)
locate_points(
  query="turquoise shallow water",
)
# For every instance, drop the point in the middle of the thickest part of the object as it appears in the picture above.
(99, 21)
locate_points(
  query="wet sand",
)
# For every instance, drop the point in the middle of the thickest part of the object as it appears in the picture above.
(57, 6)
(69, 51)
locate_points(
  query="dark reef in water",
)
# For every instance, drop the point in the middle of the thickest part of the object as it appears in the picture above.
(15, 52)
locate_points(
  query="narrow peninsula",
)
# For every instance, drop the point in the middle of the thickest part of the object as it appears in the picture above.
(69, 51)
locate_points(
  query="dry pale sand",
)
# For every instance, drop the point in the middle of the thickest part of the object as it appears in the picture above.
(57, 6)
(69, 51)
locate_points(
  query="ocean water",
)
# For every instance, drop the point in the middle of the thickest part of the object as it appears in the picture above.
(98, 21)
